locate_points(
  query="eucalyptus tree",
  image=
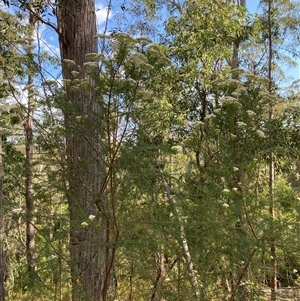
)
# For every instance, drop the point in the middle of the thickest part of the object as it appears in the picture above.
(199, 61)
(271, 62)
(163, 156)
(89, 252)
(28, 128)
(2, 292)
(216, 103)
(270, 29)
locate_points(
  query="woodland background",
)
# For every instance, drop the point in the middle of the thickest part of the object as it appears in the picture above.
(156, 158)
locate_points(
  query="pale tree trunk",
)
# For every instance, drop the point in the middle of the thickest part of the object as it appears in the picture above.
(273, 260)
(90, 253)
(234, 63)
(239, 2)
(30, 220)
(2, 292)
(182, 240)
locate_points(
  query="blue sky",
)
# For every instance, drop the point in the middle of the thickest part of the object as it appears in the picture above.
(294, 72)
(48, 38)
(252, 5)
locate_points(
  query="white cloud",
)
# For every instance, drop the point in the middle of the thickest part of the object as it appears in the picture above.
(101, 13)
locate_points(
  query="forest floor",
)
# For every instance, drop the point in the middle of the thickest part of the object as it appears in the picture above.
(284, 294)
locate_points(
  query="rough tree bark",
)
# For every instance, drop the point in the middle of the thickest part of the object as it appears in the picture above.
(89, 250)
(2, 292)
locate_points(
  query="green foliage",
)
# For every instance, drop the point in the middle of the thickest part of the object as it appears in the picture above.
(185, 143)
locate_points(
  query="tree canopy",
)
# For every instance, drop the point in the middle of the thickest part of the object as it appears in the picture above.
(156, 157)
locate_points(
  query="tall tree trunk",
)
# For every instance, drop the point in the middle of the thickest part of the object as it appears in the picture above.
(90, 254)
(237, 290)
(273, 260)
(30, 220)
(2, 292)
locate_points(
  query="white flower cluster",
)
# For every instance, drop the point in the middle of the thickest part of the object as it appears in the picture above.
(30, 86)
(250, 113)
(51, 257)
(226, 190)
(91, 217)
(92, 56)
(69, 62)
(231, 100)
(260, 134)
(74, 73)
(177, 148)
(209, 116)
(90, 64)
(241, 124)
